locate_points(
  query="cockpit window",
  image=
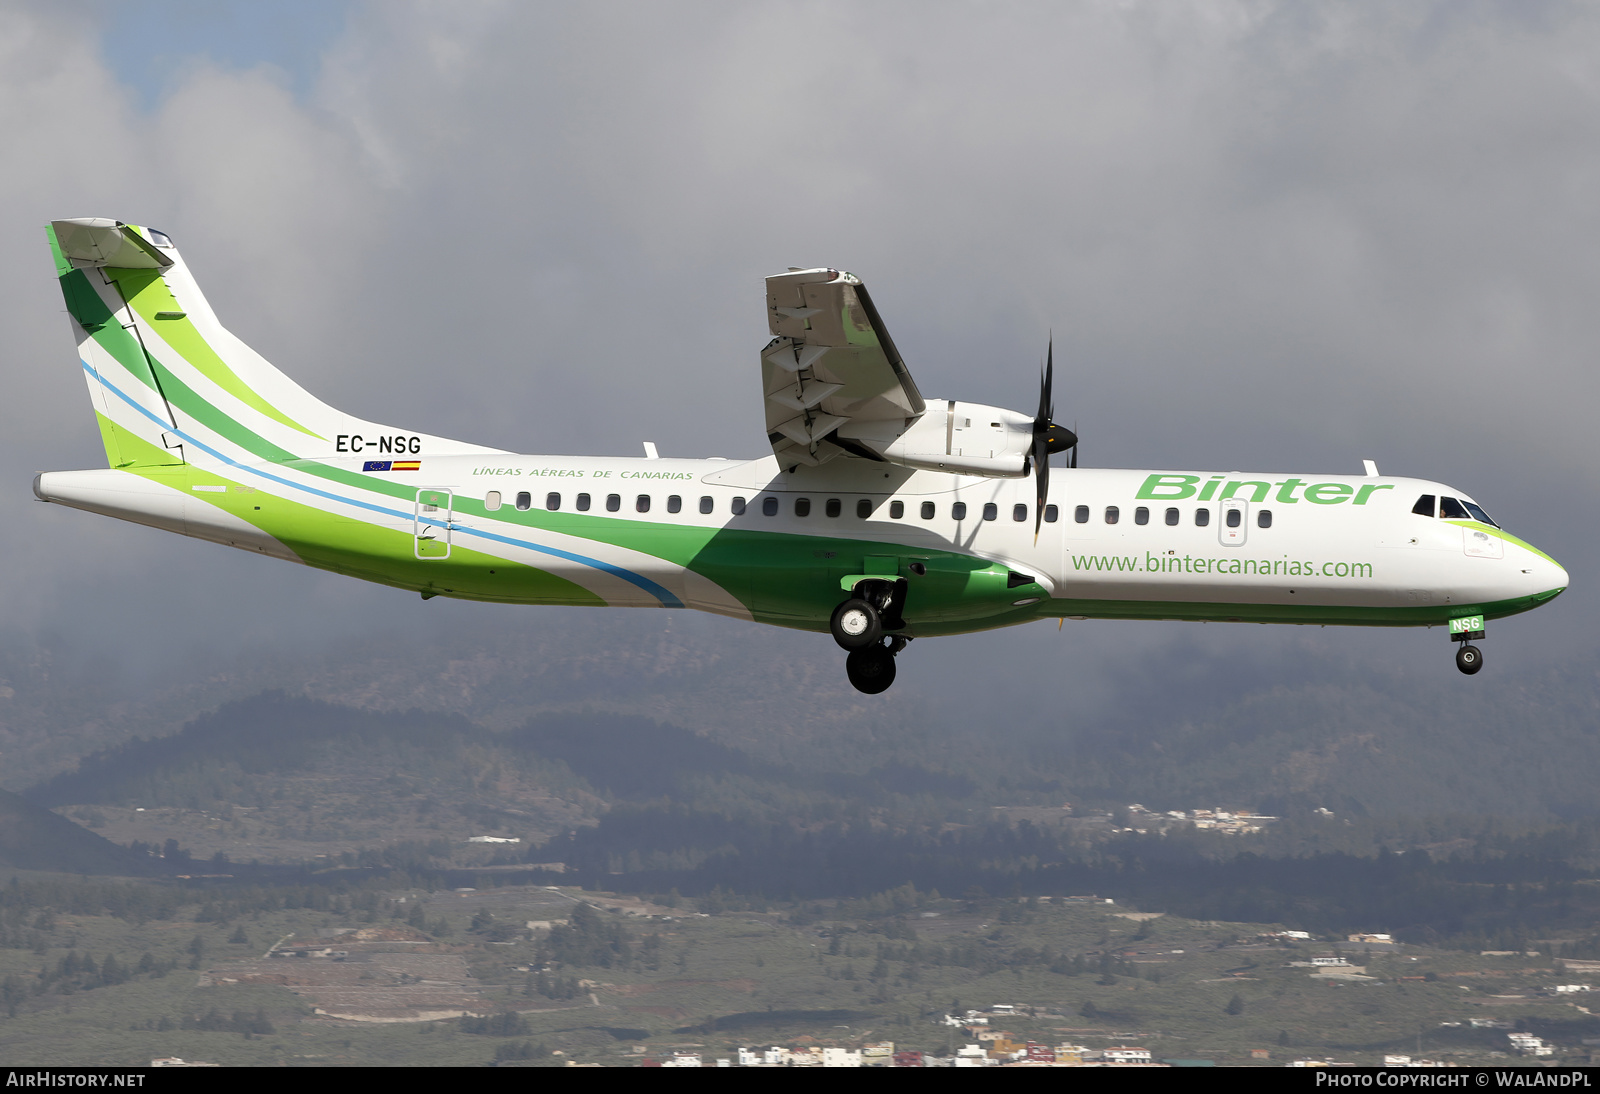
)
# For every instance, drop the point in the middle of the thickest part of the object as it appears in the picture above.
(1425, 506)
(1478, 514)
(1451, 509)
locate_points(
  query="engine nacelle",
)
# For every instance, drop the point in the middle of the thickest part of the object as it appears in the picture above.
(956, 437)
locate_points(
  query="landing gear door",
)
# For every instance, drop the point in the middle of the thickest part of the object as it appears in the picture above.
(1235, 523)
(433, 520)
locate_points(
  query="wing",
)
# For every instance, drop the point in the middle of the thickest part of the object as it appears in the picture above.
(831, 374)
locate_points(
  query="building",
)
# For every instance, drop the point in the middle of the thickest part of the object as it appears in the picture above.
(973, 1056)
(878, 1054)
(1526, 1044)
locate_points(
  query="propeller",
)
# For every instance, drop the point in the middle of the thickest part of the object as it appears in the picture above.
(1048, 438)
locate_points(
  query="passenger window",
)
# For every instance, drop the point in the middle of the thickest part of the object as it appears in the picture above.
(1235, 518)
(1172, 518)
(1263, 518)
(705, 504)
(738, 507)
(642, 504)
(583, 503)
(552, 502)
(1451, 509)
(1425, 506)
(927, 510)
(1112, 514)
(990, 511)
(864, 508)
(613, 502)
(1141, 515)
(1019, 513)
(674, 503)
(833, 508)
(1202, 518)
(491, 500)
(524, 500)
(897, 509)
(1051, 514)
(802, 507)
(1081, 514)
(958, 510)
(769, 507)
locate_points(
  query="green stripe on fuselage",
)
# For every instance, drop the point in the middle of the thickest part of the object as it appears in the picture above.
(372, 552)
(1307, 614)
(148, 295)
(1501, 533)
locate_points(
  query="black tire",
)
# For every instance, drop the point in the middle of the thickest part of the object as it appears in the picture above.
(871, 670)
(856, 624)
(1469, 659)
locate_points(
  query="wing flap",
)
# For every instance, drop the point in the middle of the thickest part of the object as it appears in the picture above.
(832, 361)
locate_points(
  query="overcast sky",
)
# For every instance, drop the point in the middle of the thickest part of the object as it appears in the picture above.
(1282, 236)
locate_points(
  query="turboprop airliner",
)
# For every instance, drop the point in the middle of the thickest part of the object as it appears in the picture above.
(879, 515)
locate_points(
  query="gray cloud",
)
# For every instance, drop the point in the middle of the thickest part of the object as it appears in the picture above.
(1272, 235)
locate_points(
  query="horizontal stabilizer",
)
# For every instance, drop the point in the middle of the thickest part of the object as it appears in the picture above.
(96, 241)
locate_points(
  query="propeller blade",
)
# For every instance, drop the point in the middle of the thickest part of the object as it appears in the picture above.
(1041, 479)
(1043, 429)
(1047, 407)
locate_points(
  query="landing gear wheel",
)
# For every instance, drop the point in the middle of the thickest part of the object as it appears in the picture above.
(1469, 658)
(856, 625)
(871, 670)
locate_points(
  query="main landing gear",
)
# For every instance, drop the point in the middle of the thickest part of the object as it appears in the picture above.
(871, 668)
(859, 626)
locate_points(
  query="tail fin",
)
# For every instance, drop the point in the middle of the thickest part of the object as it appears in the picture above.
(169, 383)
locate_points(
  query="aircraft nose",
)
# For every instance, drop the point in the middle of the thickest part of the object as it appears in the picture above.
(1545, 575)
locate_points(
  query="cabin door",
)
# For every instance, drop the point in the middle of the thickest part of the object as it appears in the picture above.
(433, 520)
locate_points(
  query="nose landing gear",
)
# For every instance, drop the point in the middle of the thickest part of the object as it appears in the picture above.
(1469, 658)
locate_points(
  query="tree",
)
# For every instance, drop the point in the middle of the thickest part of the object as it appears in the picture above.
(1236, 1005)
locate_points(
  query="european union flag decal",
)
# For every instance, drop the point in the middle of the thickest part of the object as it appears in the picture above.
(377, 465)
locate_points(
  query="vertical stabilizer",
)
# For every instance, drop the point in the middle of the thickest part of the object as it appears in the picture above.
(169, 383)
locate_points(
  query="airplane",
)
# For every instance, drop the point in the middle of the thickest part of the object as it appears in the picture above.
(879, 516)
